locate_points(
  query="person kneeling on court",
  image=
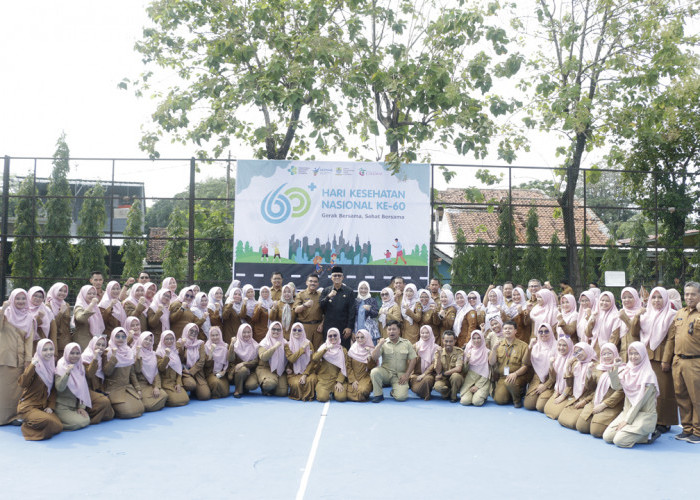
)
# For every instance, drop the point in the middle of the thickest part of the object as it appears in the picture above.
(398, 362)
(448, 366)
(331, 362)
(509, 358)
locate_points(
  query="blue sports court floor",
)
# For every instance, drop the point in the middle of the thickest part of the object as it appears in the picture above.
(259, 447)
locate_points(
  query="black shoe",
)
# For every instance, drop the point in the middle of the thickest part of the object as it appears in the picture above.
(683, 436)
(654, 436)
(377, 399)
(518, 404)
(236, 395)
(17, 422)
(693, 439)
(662, 429)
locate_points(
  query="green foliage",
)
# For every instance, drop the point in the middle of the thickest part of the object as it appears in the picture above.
(57, 251)
(546, 187)
(553, 261)
(660, 162)
(421, 74)
(533, 257)
(261, 72)
(472, 266)
(214, 256)
(608, 189)
(611, 259)
(487, 177)
(587, 260)
(175, 251)
(158, 215)
(505, 252)
(133, 252)
(25, 257)
(598, 58)
(90, 250)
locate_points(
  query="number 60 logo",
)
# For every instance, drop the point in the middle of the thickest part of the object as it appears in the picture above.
(277, 207)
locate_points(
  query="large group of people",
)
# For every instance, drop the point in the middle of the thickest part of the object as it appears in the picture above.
(619, 368)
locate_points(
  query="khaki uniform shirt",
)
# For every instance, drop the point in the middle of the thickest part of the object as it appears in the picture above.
(684, 334)
(449, 361)
(309, 314)
(514, 356)
(395, 356)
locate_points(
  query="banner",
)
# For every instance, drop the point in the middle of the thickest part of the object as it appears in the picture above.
(304, 217)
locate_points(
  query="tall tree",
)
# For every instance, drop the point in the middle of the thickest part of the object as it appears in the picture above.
(660, 158)
(533, 257)
(215, 253)
(57, 250)
(258, 71)
(24, 258)
(595, 56)
(425, 74)
(553, 262)
(91, 251)
(638, 270)
(133, 251)
(505, 249)
(175, 251)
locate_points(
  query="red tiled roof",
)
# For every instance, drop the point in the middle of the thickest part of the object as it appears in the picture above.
(477, 222)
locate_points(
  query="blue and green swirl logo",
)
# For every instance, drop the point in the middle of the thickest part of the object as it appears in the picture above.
(278, 206)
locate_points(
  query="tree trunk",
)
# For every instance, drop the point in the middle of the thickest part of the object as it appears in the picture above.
(566, 202)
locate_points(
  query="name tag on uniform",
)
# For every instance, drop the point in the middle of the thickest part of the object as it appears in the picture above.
(506, 371)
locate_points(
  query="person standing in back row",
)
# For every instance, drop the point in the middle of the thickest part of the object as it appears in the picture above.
(338, 305)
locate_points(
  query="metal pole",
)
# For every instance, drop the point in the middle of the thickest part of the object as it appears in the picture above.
(656, 230)
(511, 242)
(5, 217)
(585, 233)
(34, 231)
(190, 237)
(111, 223)
(431, 255)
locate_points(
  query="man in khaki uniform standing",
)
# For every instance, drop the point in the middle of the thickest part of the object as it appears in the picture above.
(309, 312)
(685, 343)
(510, 359)
(448, 366)
(398, 362)
(276, 289)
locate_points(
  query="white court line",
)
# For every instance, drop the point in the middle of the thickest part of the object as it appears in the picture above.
(312, 454)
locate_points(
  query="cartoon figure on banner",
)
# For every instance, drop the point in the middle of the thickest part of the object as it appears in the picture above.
(277, 256)
(399, 251)
(333, 257)
(318, 260)
(264, 255)
(387, 256)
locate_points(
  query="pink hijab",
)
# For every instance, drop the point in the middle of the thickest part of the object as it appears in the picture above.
(607, 321)
(45, 369)
(175, 363)
(21, 319)
(124, 354)
(89, 355)
(654, 324)
(127, 326)
(278, 361)
(604, 380)
(634, 379)
(167, 283)
(132, 296)
(362, 352)
(34, 310)
(182, 296)
(149, 363)
(95, 322)
(581, 368)
(77, 383)
(426, 349)
(146, 286)
(245, 350)
(547, 312)
(219, 351)
(461, 312)
(409, 304)
(559, 365)
(52, 298)
(479, 356)
(191, 346)
(117, 309)
(542, 353)
(631, 313)
(335, 354)
(295, 344)
(157, 301)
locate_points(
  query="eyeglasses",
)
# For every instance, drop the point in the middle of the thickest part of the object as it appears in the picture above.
(297, 329)
(336, 275)
(333, 336)
(188, 296)
(276, 329)
(472, 298)
(543, 332)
